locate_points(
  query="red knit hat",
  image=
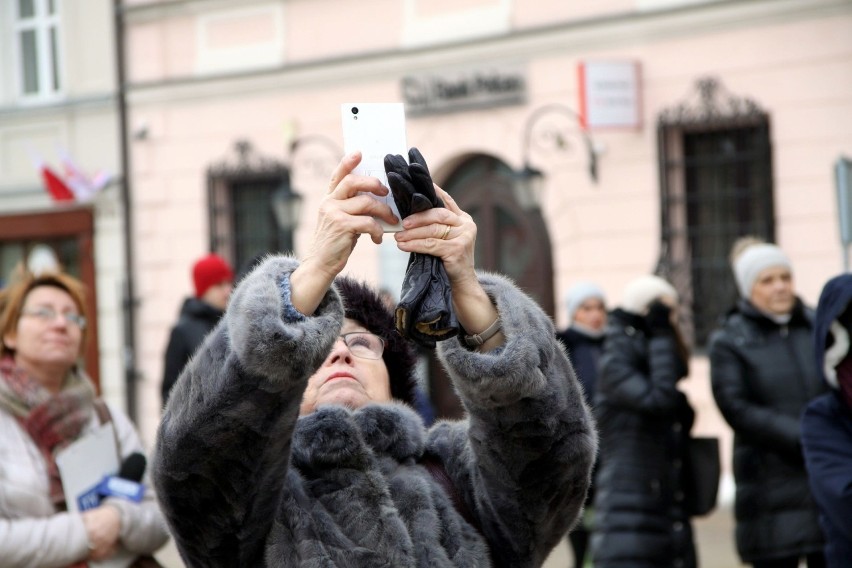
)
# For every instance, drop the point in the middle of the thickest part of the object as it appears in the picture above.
(209, 271)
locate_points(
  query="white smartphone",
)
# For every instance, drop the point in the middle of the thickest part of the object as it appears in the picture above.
(376, 129)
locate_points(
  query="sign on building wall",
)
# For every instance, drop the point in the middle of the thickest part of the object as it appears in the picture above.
(610, 95)
(454, 90)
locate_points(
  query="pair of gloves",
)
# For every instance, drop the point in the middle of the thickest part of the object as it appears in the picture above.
(658, 319)
(425, 310)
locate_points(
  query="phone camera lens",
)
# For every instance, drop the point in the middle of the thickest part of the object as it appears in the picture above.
(354, 110)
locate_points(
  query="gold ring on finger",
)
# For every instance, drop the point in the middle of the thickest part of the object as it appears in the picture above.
(446, 232)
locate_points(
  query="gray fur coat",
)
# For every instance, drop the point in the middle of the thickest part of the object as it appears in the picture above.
(243, 481)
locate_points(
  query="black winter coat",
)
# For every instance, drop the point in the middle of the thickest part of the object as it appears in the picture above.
(643, 424)
(584, 352)
(197, 319)
(763, 375)
(827, 434)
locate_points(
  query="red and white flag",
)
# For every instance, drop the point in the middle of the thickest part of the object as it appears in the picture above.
(84, 187)
(72, 184)
(55, 186)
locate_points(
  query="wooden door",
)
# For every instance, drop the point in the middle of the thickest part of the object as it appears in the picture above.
(70, 233)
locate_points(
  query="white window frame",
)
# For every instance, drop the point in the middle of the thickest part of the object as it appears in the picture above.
(41, 23)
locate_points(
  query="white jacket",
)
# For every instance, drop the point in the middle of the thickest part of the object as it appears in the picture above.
(32, 533)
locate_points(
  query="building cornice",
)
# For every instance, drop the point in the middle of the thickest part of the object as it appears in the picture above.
(157, 10)
(579, 36)
(59, 107)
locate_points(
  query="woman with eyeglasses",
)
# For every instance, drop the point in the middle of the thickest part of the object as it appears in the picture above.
(46, 403)
(289, 440)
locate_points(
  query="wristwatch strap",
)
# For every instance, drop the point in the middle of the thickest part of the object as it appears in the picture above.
(478, 339)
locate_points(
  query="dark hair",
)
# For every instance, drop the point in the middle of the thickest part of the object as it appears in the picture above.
(364, 305)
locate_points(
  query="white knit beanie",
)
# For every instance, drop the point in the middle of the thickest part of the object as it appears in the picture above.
(640, 293)
(579, 293)
(754, 260)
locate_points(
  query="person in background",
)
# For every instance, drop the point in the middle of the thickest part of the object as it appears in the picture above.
(827, 422)
(289, 440)
(213, 278)
(641, 519)
(763, 373)
(583, 338)
(46, 403)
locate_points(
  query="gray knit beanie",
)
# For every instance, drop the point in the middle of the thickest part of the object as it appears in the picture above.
(754, 260)
(579, 293)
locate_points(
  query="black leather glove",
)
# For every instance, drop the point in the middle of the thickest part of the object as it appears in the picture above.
(425, 310)
(658, 319)
(416, 190)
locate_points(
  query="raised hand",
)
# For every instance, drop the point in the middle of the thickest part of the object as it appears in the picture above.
(344, 215)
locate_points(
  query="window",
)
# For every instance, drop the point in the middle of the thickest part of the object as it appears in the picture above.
(716, 175)
(242, 197)
(37, 48)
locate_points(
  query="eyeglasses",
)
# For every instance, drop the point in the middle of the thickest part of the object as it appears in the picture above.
(364, 344)
(47, 314)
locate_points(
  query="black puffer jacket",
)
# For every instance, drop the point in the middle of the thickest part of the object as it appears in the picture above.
(584, 352)
(643, 422)
(763, 375)
(197, 319)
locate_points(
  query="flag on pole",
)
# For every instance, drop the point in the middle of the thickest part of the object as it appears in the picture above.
(71, 184)
(58, 189)
(84, 187)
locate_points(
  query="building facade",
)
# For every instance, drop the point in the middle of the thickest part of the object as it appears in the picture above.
(661, 130)
(658, 131)
(59, 108)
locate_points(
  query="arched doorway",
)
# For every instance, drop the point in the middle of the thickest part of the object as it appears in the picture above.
(511, 240)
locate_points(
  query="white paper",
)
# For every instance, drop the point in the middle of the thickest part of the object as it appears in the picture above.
(82, 465)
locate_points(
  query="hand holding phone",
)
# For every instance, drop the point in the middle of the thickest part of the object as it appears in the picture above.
(375, 129)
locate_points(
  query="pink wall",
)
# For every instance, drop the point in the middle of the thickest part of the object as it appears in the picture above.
(797, 69)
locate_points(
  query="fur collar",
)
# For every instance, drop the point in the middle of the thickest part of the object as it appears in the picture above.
(334, 436)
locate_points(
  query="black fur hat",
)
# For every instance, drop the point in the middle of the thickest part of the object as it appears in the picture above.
(364, 305)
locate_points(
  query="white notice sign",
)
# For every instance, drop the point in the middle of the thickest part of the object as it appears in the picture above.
(609, 94)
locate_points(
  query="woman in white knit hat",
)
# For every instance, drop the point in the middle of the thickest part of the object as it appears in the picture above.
(583, 339)
(641, 518)
(764, 373)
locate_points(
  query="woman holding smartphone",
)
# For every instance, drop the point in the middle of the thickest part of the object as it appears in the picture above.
(289, 439)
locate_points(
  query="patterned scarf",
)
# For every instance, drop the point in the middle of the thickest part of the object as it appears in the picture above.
(52, 421)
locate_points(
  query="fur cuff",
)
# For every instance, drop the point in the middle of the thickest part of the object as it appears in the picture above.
(515, 371)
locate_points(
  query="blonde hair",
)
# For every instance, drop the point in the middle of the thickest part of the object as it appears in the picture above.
(12, 300)
(741, 244)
